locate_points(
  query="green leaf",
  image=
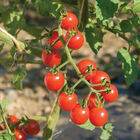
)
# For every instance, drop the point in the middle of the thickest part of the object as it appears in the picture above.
(126, 26)
(6, 137)
(129, 66)
(1, 47)
(4, 103)
(136, 6)
(19, 75)
(105, 135)
(94, 37)
(106, 8)
(45, 7)
(109, 127)
(88, 126)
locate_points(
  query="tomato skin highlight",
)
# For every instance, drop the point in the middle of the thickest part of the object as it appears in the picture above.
(112, 95)
(67, 102)
(32, 128)
(54, 82)
(79, 115)
(76, 42)
(53, 38)
(20, 135)
(100, 75)
(82, 65)
(98, 116)
(51, 59)
(69, 22)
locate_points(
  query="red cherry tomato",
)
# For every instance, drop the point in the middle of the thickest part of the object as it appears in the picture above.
(53, 38)
(76, 41)
(82, 65)
(32, 128)
(79, 115)
(69, 21)
(112, 95)
(100, 75)
(54, 82)
(92, 101)
(12, 120)
(67, 102)
(51, 59)
(20, 135)
(98, 116)
(1, 128)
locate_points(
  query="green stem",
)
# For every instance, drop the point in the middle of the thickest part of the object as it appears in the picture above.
(51, 122)
(62, 65)
(5, 122)
(76, 84)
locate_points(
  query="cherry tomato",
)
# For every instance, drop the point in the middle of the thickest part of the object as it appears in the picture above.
(100, 75)
(53, 38)
(32, 128)
(1, 128)
(51, 59)
(76, 41)
(54, 82)
(67, 102)
(112, 95)
(79, 115)
(92, 101)
(12, 120)
(20, 135)
(82, 65)
(98, 116)
(69, 21)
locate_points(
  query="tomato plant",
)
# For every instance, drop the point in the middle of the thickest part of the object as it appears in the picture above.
(112, 95)
(85, 66)
(67, 101)
(98, 78)
(70, 21)
(54, 38)
(75, 42)
(98, 116)
(54, 82)
(20, 135)
(67, 34)
(79, 115)
(52, 58)
(32, 128)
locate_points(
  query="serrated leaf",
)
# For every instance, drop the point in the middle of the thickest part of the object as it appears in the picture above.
(129, 66)
(94, 37)
(88, 126)
(105, 135)
(106, 8)
(4, 103)
(19, 75)
(109, 127)
(1, 47)
(136, 6)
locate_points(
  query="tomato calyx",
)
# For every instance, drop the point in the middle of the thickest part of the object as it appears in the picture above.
(105, 83)
(54, 70)
(90, 70)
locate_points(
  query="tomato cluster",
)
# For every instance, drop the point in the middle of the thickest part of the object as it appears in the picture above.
(30, 127)
(92, 106)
